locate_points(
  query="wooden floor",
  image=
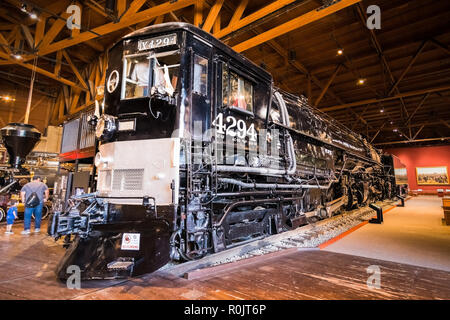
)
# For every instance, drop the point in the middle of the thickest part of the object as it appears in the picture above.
(27, 265)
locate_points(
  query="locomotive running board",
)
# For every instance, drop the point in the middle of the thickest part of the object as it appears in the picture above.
(181, 269)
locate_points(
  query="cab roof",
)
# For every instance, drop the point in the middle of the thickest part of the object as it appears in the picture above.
(177, 26)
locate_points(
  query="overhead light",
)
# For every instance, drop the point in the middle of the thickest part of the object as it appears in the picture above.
(33, 15)
(381, 110)
(23, 8)
(340, 52)
(7, 98)
(17, 56)
(392, 122)
(395, 130)
(361, 81)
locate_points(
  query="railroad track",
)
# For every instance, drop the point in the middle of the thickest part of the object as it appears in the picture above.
(309, 236)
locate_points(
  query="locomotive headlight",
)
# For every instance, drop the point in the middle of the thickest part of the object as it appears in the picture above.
(98, 159)
(106, 127)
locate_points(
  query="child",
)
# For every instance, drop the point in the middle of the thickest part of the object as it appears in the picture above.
(10, 216)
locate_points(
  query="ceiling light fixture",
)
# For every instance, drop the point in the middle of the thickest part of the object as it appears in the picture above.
(17, 56)
(361, 81)
(340, 52)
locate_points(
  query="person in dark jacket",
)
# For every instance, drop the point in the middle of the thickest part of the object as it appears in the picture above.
(41, 190)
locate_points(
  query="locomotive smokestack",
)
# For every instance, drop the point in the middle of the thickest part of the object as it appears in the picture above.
(19, 139)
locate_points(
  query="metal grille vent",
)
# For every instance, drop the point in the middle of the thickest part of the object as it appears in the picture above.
(127, 179)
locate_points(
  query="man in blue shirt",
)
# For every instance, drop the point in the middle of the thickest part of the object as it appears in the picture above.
(42, 192)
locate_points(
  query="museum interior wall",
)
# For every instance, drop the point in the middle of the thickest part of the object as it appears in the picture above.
(423, 157)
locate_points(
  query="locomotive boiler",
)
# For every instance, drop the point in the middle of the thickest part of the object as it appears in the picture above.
(199, 152)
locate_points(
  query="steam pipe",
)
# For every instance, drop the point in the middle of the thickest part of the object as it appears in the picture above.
(8, 186)
(247, 185)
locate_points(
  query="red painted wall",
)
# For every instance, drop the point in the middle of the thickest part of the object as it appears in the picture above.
(423, 157)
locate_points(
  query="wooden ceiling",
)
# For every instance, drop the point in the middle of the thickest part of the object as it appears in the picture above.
(405, 64)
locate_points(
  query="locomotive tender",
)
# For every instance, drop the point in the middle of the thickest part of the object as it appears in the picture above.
(199, 152)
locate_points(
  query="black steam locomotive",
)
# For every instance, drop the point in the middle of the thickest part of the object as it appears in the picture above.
(199, 152)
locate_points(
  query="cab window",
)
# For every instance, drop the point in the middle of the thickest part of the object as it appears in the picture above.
(137, 70)
(237, 92)
(200, 75)
(137, 75)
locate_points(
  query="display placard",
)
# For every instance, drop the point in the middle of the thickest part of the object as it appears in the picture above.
(131, 241)
(157, 42)
(127, 125)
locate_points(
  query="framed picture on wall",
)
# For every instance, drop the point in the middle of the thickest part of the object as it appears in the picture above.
(432, 175)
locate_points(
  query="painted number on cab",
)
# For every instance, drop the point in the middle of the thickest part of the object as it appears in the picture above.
(233, 127)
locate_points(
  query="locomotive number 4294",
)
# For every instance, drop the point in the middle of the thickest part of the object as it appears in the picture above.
(234, 128)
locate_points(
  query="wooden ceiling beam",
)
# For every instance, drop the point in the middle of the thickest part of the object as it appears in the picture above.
(237, 15)
(441, 46)
(55, 29)
(212, 16)
(75, 70)
(411, 141)
(198, 13)
(418, 107)
(43, 72)
(133, 8)
(413, 59)
(121, 7)
(324, 90)
(108, 28)
(376, 100)
(261, 13)
(293, 24)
